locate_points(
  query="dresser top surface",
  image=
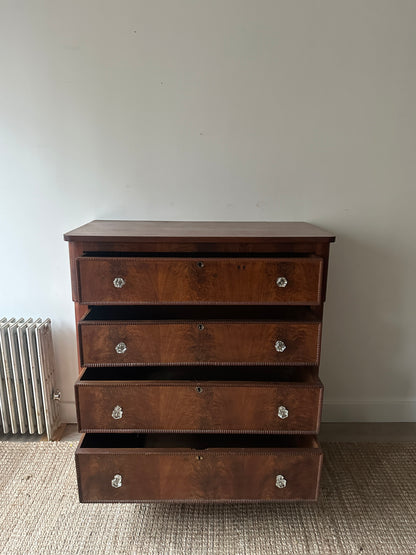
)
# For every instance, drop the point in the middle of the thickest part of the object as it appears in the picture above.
(128, 230)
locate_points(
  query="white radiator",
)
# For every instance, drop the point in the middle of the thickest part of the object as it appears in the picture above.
(28, 398)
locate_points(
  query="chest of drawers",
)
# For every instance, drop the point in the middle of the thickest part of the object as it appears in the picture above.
(199, 347)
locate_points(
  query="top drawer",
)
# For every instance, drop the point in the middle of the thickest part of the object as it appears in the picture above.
(206, 280)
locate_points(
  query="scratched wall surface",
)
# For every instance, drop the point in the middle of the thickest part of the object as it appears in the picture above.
(220, 110)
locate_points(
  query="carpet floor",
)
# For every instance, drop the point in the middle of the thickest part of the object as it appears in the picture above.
(367, 505)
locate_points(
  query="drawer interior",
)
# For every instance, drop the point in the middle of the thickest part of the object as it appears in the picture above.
(197, 441)
(196, 255)
(290, 374)
(200, 313)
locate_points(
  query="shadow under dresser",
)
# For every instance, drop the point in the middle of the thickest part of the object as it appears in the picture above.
(199, 348)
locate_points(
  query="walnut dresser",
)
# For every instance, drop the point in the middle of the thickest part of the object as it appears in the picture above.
(199, 347)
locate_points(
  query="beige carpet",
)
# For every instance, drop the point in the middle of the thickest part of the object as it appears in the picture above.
(367, 505)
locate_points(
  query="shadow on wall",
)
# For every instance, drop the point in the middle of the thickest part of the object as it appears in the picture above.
(66, 358)
(363, 355)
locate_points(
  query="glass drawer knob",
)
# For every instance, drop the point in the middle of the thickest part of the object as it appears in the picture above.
(279, 346)
(282, 412)
(281, 281)
(280, 481)
(121, 348)
(117, 413)
(116, 482)
(119, 282)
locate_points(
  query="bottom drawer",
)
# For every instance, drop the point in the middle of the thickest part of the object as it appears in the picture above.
(197, 467)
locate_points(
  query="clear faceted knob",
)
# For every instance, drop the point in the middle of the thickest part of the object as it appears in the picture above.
(281, 282)
(280, 481)
(121, 348)
(119, 282)
(279, 346)
(282, 412)
(117, 413)
(117, 482)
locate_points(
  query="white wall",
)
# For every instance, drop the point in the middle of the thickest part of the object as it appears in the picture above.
(222, 110)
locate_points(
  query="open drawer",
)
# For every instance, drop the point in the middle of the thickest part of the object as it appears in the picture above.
(197, 467)
(203, 280)
(118, 336)
(190, 399)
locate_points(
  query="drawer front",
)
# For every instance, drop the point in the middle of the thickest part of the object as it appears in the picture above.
(191, 407)
(123, 343)
(236, 475)
(200, 280)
